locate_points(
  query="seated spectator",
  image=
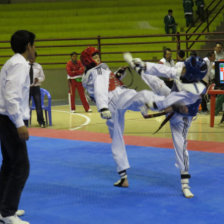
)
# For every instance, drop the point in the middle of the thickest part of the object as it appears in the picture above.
(167, 58)
(168, 61)
(75, 70)
(209, 78)
(219, 107)
(180, 59)
(193, 53)
(219, 54)
(170, 23)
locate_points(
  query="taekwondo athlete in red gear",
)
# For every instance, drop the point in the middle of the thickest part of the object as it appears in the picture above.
(112, 100)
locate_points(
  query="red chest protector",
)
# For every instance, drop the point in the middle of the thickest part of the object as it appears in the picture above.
(114, 82)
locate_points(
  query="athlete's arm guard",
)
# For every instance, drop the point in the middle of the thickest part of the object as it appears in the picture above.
(136, 63)
(121, 73)
(88, 97)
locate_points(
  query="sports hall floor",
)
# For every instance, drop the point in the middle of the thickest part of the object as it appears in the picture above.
(72, 173)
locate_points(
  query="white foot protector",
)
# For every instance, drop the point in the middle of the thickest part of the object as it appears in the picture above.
(14, 219)
(185, 176)
(186, 191)
(123, 182)
(129, 59)
(20, 212)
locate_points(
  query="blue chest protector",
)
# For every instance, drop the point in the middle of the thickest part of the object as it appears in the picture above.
(192, 108)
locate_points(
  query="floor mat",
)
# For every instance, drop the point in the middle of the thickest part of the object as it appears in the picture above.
(71, 182)
(204, 146)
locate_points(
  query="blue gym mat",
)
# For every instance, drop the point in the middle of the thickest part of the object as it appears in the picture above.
(71, 182)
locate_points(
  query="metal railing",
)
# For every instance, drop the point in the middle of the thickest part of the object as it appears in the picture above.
(211, 12)
(119, 44)
(214, 4)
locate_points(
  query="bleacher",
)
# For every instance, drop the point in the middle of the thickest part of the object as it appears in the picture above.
(90, 18)
(54, 19)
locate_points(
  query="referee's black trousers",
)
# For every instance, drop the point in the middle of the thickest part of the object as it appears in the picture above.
(14, 168)
(35, 93)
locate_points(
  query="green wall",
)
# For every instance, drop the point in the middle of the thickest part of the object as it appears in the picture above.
(56, 83)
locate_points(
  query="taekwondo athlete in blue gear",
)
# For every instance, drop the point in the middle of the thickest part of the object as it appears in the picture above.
(187, 84)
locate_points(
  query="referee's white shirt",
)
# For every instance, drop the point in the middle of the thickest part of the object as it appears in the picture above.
(37, 73)
(211, 72)
(14, 90)
(167, 63)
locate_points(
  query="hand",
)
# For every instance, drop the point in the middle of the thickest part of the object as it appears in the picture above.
(138, 62)
(183, 109)
(36, 80)
(183, 71)
(23, 133)
(105, 113)
(168, 109)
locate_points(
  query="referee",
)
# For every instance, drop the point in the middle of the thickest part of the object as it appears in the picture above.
(14, 116)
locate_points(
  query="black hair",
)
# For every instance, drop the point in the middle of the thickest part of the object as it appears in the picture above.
(193, 53)
(20, 39)
(210, 53)
(73, 53)
(165, 50)
(170, 10)
(219, 43)
(95, 54)
(181, 53)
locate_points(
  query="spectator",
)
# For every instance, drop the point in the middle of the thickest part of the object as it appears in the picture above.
(36, 78)
(170, 23)
(219, 107)
(14, 116)
(180, 59)
(193, 53)
(180, 56)
(188, 12)
(219, 54)
(209, 78)
(200, 9)
(168, 61)
(75, 70)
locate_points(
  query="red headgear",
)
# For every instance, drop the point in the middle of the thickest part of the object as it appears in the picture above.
(86, 57)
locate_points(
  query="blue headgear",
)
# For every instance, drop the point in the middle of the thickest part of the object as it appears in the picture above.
(196, 69)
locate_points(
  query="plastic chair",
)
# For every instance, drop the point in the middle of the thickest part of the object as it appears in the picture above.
(46, 109)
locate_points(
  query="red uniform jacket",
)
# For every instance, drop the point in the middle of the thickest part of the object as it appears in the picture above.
(75, 69)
